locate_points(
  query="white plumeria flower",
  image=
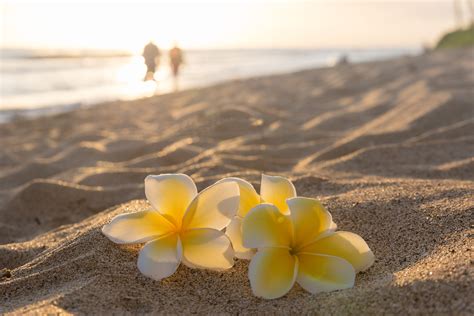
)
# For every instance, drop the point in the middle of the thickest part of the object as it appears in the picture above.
(274, 190)
(301, 247)
(184, 227)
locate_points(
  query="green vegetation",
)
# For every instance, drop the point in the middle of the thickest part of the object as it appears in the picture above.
(458, 38)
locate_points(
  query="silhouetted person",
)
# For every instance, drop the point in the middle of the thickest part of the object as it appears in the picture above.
(151, 53)
(176, 59)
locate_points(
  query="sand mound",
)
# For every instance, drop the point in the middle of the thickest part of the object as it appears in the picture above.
(45, 204)
(387, 146)
(77, 264)
(444, 159)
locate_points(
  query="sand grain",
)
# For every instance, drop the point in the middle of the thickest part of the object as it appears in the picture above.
(387, 146)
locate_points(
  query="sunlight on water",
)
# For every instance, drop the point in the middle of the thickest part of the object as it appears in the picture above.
(130, 78)
(37, 83)
(132, 71)
(52, 82)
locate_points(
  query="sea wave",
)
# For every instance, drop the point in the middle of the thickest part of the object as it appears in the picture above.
(35, 81)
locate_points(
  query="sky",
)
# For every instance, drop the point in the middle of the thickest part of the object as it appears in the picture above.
(127, 25)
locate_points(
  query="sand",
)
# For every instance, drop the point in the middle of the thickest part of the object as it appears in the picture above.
(387, 146)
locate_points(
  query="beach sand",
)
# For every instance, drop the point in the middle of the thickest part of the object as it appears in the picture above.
(388, 147)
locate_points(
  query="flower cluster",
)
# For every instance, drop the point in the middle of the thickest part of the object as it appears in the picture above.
(287, 238)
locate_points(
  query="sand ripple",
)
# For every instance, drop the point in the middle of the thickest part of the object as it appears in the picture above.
(388, 147)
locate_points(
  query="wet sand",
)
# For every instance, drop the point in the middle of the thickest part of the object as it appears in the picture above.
(387, 146)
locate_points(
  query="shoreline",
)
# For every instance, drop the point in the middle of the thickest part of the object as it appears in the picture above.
(10, 113)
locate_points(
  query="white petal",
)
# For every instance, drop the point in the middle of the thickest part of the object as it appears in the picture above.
(214, 207)
(136, 227)
(309, 219)
(248, 196)
(321, 273)
(346, 245)
(207, 248)
(265, 226)
(276, 190)
(272, 272)
(170, 194)
(160, 258)
(234, 232)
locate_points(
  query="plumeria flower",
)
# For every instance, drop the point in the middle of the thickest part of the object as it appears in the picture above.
(301, 247)
(184, 227)
(274, 190)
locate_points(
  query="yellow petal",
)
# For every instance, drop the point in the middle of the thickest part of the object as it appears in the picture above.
(321, 273)
(170, 194)
(160, 258)
(207, 248)
(276, 190)
(272, 272)
(234, 232)
(214, 207)
(248, 196)
(136, 227)
(265, 226)
(309, 219)
(346, 245)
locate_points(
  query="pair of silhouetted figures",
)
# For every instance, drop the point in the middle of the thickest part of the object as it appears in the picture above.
(151, 54)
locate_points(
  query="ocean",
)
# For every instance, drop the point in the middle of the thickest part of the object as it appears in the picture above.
(37, 82)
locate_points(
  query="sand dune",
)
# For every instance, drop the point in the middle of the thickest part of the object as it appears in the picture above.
(387, 146)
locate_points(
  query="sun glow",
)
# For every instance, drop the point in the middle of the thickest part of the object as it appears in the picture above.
(120, 26)
(206, 24)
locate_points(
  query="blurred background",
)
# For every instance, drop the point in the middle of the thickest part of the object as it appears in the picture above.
(61, 55)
